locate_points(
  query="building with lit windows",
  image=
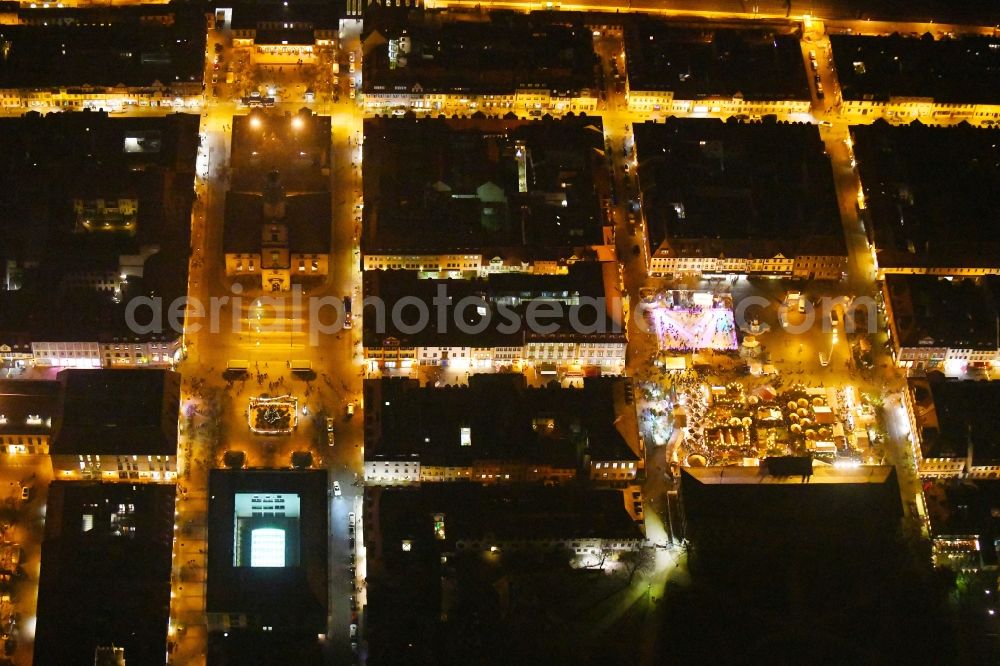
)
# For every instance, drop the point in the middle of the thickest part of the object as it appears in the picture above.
(942, 323)
(105, 572)
(926, 216)
(503, 62)
(568, 324)
(278, 218)
(965, 523)
(96, 211)
(683, 68)
(116, 425)
(285, 33)
(497, 429)
(267, 591)
(27, 408)
(904, 78)
(953, 427)
(71, 59)
(712, 206)
(462, 197)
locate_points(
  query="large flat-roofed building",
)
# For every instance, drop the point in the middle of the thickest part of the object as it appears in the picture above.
(116, 425)
(713, 206)
(497, 323)
(95, 211)
(278, 212)
(928, 195)
(954, 426)
(944, 324)
(268, 532)
(824, 543)
(105, 574)
(73, 59)
(27, 407)
(497, 429)
(787, 497)
(674, 67)
(490, 62)
(905, 78)
(472, 196)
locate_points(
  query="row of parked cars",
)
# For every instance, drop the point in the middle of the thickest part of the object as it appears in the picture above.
(354, 598)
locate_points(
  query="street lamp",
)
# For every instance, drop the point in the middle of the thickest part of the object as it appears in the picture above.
(255, 122)
(298, 123)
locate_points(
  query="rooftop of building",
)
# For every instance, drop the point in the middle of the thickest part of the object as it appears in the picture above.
(931, 311)
(954, 415)
(967, 507)
(86, 197)
(27, 406)
(290, 595)
(510, 188)
(296, 145)
(952, 70)
(928, 190)
(479, 53)
(704, 184)
(494, 317)
(707, 61)
(499, 417)
(117, 412)
(306, 215)
(297, 15)
(717, 495)
(139, 48)
(504, 513)
(105, 572)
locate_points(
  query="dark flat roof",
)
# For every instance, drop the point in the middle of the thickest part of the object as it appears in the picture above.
(24, 398)
(928, 191)
(714, 496)
(109, 584)
(705, 188)
(453, 185)
(962, 70)
(701, 61)
(292, 599)
(496, 53)
(118, 412)
(931, 311)
(159, 46)
(506, 421)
